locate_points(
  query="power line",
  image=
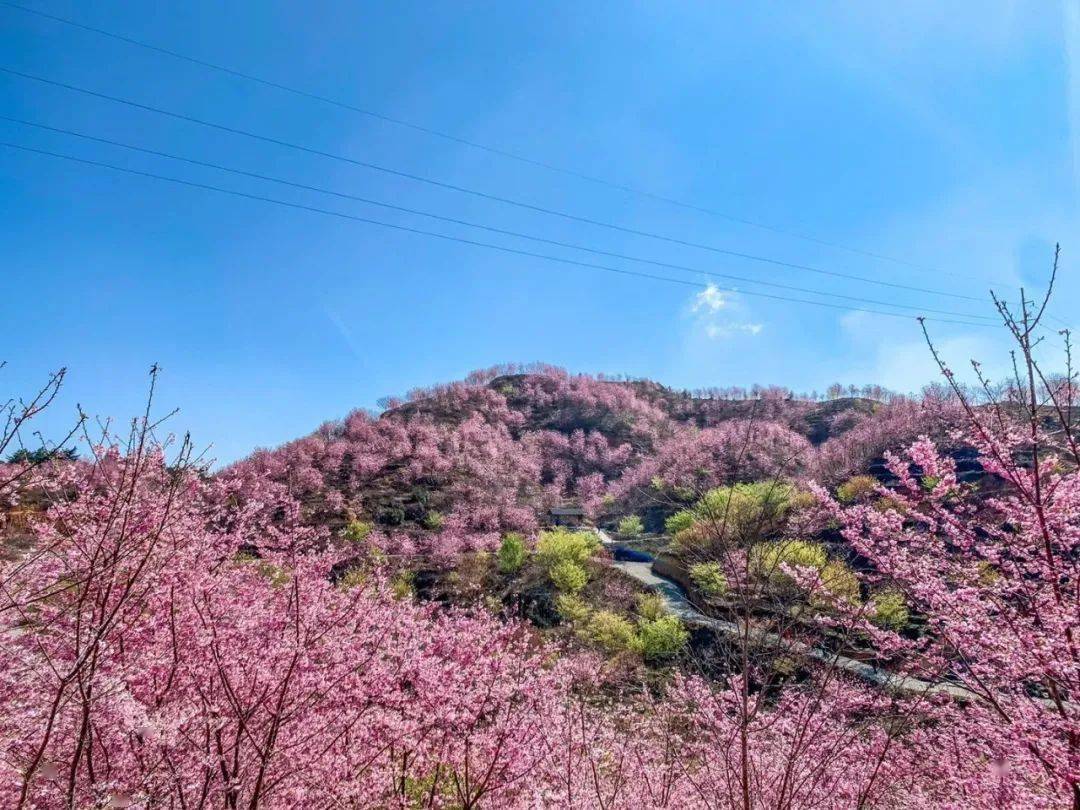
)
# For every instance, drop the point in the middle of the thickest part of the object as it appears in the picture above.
(465, 190)
(482, 226)
(470, 143)
(465, 241)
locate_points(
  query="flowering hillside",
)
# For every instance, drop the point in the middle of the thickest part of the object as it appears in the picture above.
(460, 464)
(376, 616)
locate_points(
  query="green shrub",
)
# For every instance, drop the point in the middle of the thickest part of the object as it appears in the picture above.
(841, 581)
(988, 575)
(353, 578)
(888, 504)
(569, 577)
(662, 637)
(710, 578)
(856, 488)
(274, 574)
(631, 526)
(572, 608)
(678, 522)
(560, 545)
(434, 521)
(512, 553)
(741, 514)
(684, 494)
(742, 503)
(651, 606)
(357, 531)
(611, 631)
(402, 585)
(767, 559)
(890, 609)
(421, 790)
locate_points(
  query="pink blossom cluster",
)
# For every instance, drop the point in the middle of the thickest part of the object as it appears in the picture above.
(145, 664)
(996, 577)
(889, 427)
(488, 454)
(173, 640)
(735, 450)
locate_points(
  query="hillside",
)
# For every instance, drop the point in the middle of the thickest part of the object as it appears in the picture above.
(382, 604)
(473, 459)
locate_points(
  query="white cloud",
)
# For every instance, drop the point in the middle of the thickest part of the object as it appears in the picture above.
(704, 309)
(723, 330)
(711, 299)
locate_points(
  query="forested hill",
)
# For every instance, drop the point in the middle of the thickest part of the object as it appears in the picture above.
(475, 458)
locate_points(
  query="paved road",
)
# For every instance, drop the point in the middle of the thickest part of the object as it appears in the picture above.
(677, 602)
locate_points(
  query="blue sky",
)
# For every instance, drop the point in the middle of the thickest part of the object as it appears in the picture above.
(941, 134)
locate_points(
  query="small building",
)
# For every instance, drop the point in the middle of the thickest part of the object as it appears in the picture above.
(567, 516)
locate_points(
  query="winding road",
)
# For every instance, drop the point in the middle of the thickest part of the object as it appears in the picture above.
(677, 602)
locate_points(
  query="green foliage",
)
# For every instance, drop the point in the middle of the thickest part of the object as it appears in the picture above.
(988, 575)
(888, 504)
(561, 545)
(631, 526)
(357, 531)
(857, 488)
(662, 637)
(742, 503)
(569, 577)
(710, 578)
(572, 608)
(402, 584)
(42, 454)
(651, 606)
(684, 494)
(355, 577)
(611, 631)
(740, 514)
(929, 482)
(274, 574)
(419, 791)
(658, 634)
(841, 581)
(512, 553)
(767, 559)
(679, 522)
(890, 609)
(434, 521)
(784, 666)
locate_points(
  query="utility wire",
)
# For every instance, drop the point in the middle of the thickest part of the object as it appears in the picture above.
(465, 241)
(472, 144)
(481, 226)
(465, 190)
